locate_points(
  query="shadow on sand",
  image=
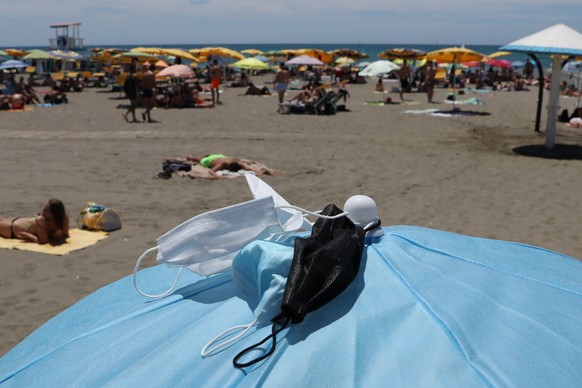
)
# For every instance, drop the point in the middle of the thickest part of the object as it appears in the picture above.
(559, 152)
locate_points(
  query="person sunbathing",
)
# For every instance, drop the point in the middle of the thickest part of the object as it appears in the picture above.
(219, 162)
(50, 225)
(253, 90)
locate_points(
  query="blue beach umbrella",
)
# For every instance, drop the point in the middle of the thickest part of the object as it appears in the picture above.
(427, 308)
(12, 64)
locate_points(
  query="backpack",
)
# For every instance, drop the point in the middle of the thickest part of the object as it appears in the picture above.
(98, 217)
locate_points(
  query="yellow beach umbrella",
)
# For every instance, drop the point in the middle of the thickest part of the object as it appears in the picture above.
(499, 54)
(134, 55)
(344, 61)
(252, 52)
(181, 54)
(454, 55)
(148, 50)
(205, 52)
(251, 64)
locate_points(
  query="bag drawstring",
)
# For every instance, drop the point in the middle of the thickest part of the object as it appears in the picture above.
(279, 324)
(135, 270)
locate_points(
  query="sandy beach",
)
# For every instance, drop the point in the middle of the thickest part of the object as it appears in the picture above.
(458, 174)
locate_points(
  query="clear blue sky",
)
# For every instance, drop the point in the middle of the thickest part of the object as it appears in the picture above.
(122, 22)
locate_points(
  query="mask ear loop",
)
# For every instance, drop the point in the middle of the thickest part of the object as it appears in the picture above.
(315, 214)
(373, 225)
(137, 264)
(205, 352)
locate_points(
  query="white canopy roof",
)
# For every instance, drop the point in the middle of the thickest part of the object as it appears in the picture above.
(559, 39)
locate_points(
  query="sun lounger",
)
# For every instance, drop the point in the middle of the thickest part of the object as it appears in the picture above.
(325, 105)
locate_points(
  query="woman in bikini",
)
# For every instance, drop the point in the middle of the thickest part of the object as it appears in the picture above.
(51, 225)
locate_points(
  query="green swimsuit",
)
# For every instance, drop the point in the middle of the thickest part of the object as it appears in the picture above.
(207, 160)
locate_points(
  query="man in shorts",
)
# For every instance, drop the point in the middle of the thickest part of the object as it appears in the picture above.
(281, 82)
(404, 74)
(215, 75)
(130, 87)
(148, 93)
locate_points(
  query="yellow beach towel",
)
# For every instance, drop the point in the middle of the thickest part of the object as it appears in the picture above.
(79, 239)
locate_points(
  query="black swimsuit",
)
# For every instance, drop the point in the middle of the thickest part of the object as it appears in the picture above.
(12, 234)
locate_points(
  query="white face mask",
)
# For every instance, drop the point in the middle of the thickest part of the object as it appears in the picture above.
(207, 243)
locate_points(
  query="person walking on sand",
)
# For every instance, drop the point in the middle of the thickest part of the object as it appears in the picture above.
(130, 87)
(215, 75)
(430, 81)
(148, 93)
(281, 82)
(404, 74)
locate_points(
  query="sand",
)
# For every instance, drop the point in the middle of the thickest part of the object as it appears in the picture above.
(457, 174)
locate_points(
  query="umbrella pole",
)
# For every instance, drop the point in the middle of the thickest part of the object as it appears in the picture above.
(454, 90)
(553, 104)
(540, 89)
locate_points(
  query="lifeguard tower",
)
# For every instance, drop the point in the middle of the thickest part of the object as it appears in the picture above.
(66, 37)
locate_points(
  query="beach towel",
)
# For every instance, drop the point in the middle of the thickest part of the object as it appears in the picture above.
(186, 168)
(458, 112)
(420, 111)
(468, 101)
(79, 239)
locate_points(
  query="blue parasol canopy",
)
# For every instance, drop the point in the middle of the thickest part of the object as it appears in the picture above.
(12, 64)
(428, 308)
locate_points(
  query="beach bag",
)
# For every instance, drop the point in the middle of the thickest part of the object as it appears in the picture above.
(98, 217)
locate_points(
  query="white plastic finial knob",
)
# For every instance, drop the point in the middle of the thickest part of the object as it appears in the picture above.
(362, 210)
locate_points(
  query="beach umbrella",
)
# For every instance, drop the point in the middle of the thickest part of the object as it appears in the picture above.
(344, 61)
(501, 63)
(65, 55)
(134, 55)
(557, 40)
(252, 52)
(379, 68)
(161, 64)
(304, 60)
(177, 71)
(251, 64)
(157, 51)
(181, 54)
(354, 54)
(402, 53)
(3, 53)
(322, 55)
(205, 52)
(12, 64)
(38, 54)
(454, 56)
(499, 54)
(15, 52)
(426, 308)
